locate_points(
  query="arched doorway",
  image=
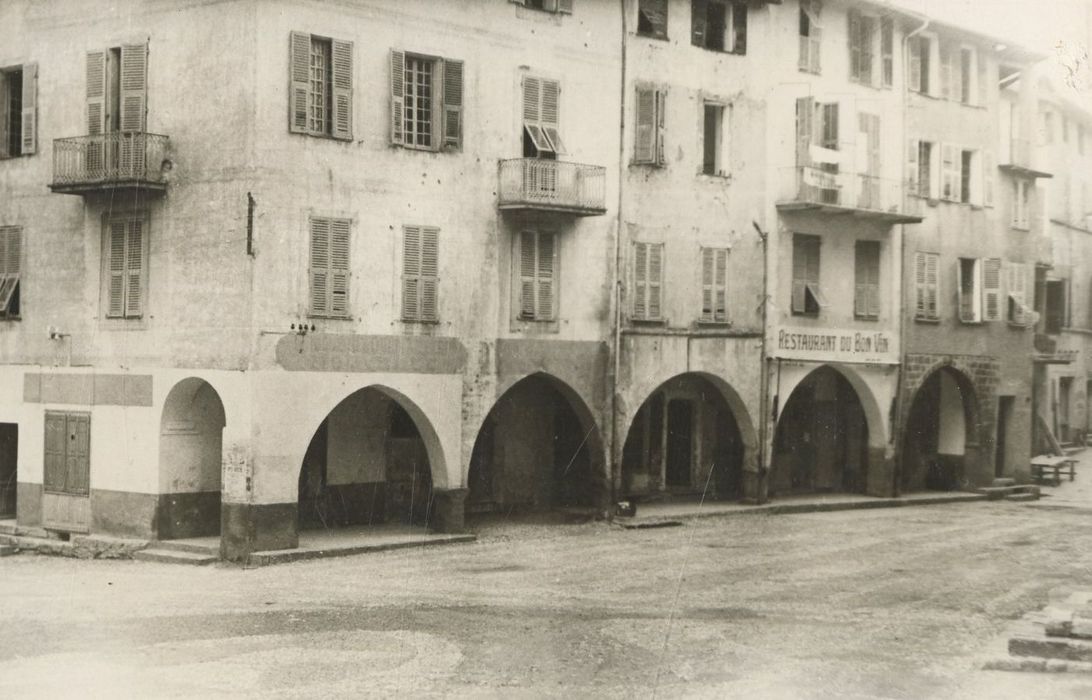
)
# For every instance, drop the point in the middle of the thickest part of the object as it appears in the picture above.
(939, 430)
(190, 442)
(538, 449)
(367, 464)
(684, 439)
(822, 438)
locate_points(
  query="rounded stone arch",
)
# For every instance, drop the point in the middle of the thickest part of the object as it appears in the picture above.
(874, 414)
(937, 453)
(190, 460)
(586, 442)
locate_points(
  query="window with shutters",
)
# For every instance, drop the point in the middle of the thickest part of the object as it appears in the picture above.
(810, 35)
(715, 139)
(11, 267)
(648, 148)
(18, 110)
(125, 265)
(714, 285)
(420, 274)
(1056, 307)
(652, 18)
(968, 74)
(542, 119)
(1019, 306)
(537, 267)
(991, 289)
(426, 95)
(969, 282)
(719, 25)
(67, 453)
(807, 296)
(320, 102)
(556, 6)
(951, 173)
(866, 294)
(648, 281)
(329, 266)
(970, 191)
(923, 168)
(862, 31)
(926, 286)
(887, 52)
(1021, 217)
(921, 61)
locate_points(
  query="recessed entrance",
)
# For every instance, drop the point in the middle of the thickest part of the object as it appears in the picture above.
(939, 431)
(9, 463)
(190, 459)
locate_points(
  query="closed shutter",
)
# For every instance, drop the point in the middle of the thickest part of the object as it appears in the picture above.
(801, 268)
(854, 45)
(453, 103)
(78, 454)
(299, 78)
(342, 102)
(527, 269)
(29, 136)
(56, 436)
(547, 264)
(339, 266)
(11, 240)
(912, 150)
(398, 97)
(714, 279)
(411, 272)
(115, 290)
(134, 268)
(134, 86)
(96, 112)
(655, 280)
(866, 300)
(991, 289)
(644, 150)
(648, 261)
(916, 45)
(430, 274)
(946, 74)
(640, 281)
(320, 265)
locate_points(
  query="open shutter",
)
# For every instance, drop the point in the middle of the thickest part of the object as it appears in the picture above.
(299, 78)
(739, 27)
(115, 269)
(398, 97)
(134, 268)
(655, 280)
(866, 279)
(342, 63)
(430, 274)
(805, 129)
(134, 87)
(697, 22)
(551, 114)
(320, 266)
(547, 265)
(640, 280)
(339, 266)
(989, 171)
(96, 112)
(708, 263)
(962, 302)
(932, 285)
(29, 136)
(983, 80)
(946, 73)
(453, 103)
(661, 98)
(720, 286)
(991, 289)
(1018, 294)
(644, 150)
(411, 272)
(527, 266)
(799, 276)
(913, 147)
(854, 45)
(916, 46)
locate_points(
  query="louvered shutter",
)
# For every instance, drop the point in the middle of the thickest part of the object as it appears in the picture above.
(398, 97)
(430, 273)
(799, 276)
(320, 265)
(527, 269)
(134, 87)
(661, 99)
(912, 151)
(697, 22)
(551, 114)
(339, 267)
(115, 290)
(655, 280)
(341, 61)
(96, 113)
(989, 170)
(720, 286)
(531, 98)
(640, 281)
(854, 45)
(134, 268)
(866, 300)
(547, 263)
(411, 273)
(29, 136)
(453, 103)
(77, 454)
(962, 302)
(56, 437)
(708, 263)
(916, 45)
(644, 150)
(805, 129)
(920, 295)
(932, 285)
(991, 289)
(10, 264)
(299, 81)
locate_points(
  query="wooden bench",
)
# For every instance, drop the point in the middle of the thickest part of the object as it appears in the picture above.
(1055, 466)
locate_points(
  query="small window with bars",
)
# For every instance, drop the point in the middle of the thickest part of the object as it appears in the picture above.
(420, 273)
(329, 266)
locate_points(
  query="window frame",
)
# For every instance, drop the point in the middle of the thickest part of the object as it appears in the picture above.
(969, 311)
(419, 313)
(435, 108)
(538, 319)
(1021, 204)
(125, 317)
(926, 291)
(647, 288)
(329, 311)
(862, 299)
(23, 119)
(338, 82)
(699, 23)
(809, 59)
(721, 150)
(652, 152)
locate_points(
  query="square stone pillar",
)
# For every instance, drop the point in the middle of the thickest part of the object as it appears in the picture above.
(449, 511)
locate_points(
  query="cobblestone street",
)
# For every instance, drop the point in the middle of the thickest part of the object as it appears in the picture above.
(894, 603)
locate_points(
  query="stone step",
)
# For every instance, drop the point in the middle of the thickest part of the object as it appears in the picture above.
(6, 550)
(1036, 665)
(166, 556)
(996, 493)
(1022, 497)
(1003, 481)
(1051, 648)
(212, 550)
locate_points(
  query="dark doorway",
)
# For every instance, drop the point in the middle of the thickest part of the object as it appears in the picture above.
(680, 442)
(1004, 413)
(939, 431)
(9, 462)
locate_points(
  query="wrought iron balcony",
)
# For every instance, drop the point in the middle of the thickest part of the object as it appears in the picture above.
(1018, 158)
(814, 189)
(551, 185)
(105, 162)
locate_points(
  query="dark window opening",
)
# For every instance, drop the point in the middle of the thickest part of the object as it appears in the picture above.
(652, 18)
(966, 160)
(716, 22)
(711, 164)
(13, 120)
(925, 168)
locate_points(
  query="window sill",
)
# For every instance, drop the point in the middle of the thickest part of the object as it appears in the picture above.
(922, 319)
(866, 319)
(649, 322)
(320, 317)
(421, 322)
(725, 52)
(643, 164)
(805, 314)
(716, 176)
(1017, 326)
(809, 71)
(657, 37)
(1024, 229)
(965, 322)
(700, 324)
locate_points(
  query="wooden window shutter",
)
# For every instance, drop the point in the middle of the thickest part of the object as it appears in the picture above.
(531, 99)
(299, 81)
(720, 285)
(640, 280)
(339, 266)
(697, 22)
(661, 104)
(805, 129)
(453, 103)
(932, 284)
(56, 437)
(527, 268)
(134, 87)
(11, 239)
(989, 170)
(551, 114)
(991, 289)
(29, 136)
(915, 64)
(547, 264)
(655, 280)
(398, 97)
(644, 150)
(411, 273)
(134, 267)
(115, 269)
(866, 299)
(341, 60)
(78, 454)
(983, 81)
(945, 72)
(320, 265)
(430, 273)
(919, 286)
(799, 275)
(96, 111)
(708, 263)
(739, 27)
(854, 44)
(913, 148)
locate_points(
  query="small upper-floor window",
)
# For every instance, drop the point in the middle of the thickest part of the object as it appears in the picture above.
(715, 138)
(560, 6)
(11, 267)
(922, 164)
(979, 284)
(125, 265)
(810, 35)
(887, 51)
(719, 25)
(714, 285)
(542, 118)
(537, 263)
(861, 33)
(649, 134)
(920, 48)
(321, 73)
(866, 283)
(1019, 306)
(807, 297)
(648, 281)
(18, 110)
(1021, 204)
(652, 18)
(426, 101)
(926, 286)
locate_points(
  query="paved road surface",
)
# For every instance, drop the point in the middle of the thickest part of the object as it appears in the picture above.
(893, 603)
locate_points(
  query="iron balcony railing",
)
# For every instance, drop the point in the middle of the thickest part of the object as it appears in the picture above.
(120, 158)
(551, 185)
(823, 188)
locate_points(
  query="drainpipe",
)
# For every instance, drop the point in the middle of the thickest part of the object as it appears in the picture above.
(896, 472)
(616, 281)
(764, 373)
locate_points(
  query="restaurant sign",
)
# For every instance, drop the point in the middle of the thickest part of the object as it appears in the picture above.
(835, 345)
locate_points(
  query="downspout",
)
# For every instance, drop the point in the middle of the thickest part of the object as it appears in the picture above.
(761, 488)
(896, 471)
(616, 282)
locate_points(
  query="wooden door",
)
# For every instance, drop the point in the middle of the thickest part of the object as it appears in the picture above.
(65, 501)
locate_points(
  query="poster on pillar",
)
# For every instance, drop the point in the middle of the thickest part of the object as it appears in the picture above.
(236, 476)
(835, 345)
